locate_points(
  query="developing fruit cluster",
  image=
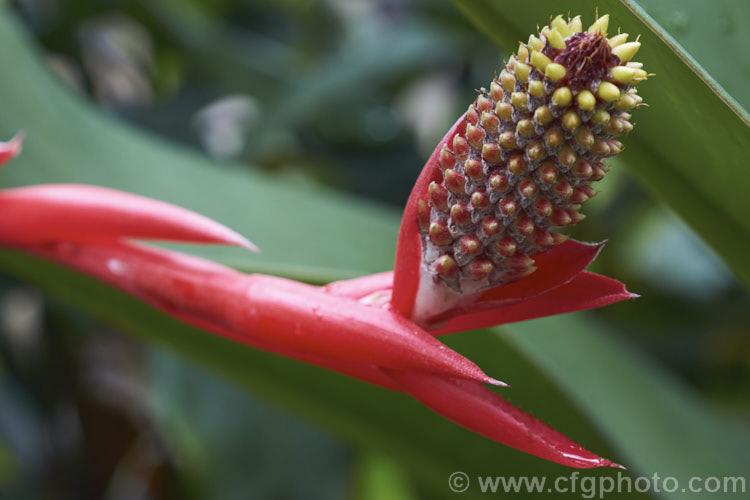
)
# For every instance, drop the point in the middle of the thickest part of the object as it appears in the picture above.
(532, 147)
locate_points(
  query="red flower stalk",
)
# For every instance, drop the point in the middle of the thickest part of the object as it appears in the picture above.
(477, 246)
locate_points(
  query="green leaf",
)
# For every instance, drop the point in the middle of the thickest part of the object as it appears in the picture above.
(689, 147)
(379, 478)
(714, 34)
(8, 465)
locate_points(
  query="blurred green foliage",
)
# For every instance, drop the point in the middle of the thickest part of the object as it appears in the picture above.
(352, 96)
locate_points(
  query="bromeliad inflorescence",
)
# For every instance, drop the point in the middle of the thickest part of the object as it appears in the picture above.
(480, 219)
(532, 146)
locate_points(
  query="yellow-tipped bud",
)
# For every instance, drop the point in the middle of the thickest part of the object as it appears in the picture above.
(539, 60)
(626, 51)
(555, 39)
(519, 100)
(523, 53)
(623, 74)
(600, 117)
(575, 25)
(542, 115)
(560, 25)
(522, 71)
(562, 97)
(507, 80)
(626, 102)
(504, 111)
(600, 25)
(496, 91)
(525, 127)
(640, 75)
(554, 71)
(618, 39)
(536, 88)
(571, 120)
(586, 100)
(608, 92)
(535, 43)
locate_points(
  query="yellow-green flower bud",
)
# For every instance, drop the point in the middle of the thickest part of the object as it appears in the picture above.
(618, 39)
(555, 71)
(555, 39)
(600, 117)
(623, 74)
(543, 115)
(600, 26)
(562, 97)
(535, 43)
(523, 53)
(507, 80)
(504, 111)
(539, 60)
(608, 92)
(571, 120)
(560, 25)
(536, 88)
(575, 25)
(522, 71)
(626, 102)
(586, 100)
(519, 100)
(626, 51)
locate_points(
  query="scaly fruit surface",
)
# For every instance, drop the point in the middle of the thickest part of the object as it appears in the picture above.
(532, 147)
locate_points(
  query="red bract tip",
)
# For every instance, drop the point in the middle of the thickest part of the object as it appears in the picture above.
(65, 212)
(11, 149)
(474, 407)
